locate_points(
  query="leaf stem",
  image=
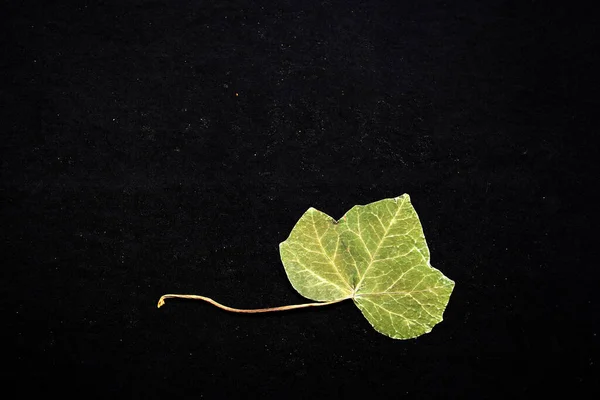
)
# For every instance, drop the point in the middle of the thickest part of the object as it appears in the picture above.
(161, 302)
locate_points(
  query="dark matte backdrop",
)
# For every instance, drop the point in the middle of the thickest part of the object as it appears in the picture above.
(169, 146)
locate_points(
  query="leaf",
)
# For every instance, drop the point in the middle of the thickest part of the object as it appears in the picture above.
(375, 255)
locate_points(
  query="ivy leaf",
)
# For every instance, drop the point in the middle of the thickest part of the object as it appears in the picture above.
(375, 255)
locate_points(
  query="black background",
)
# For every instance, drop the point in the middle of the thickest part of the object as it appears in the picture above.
(152, 147)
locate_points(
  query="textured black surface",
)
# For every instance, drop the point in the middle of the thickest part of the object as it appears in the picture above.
(151, 147)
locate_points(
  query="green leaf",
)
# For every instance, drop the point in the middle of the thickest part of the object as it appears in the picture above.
(375, 255)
